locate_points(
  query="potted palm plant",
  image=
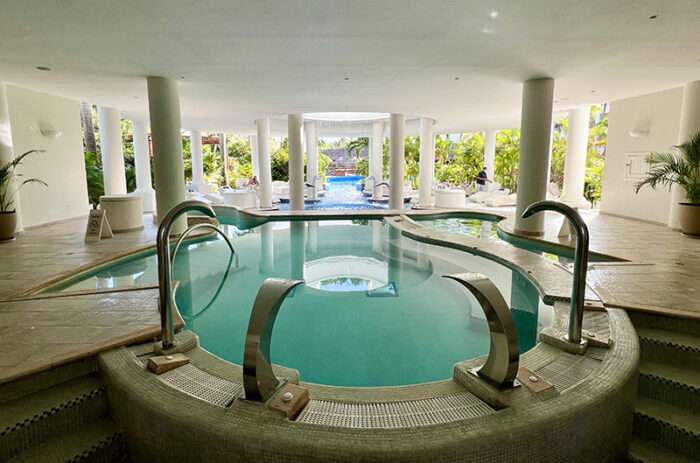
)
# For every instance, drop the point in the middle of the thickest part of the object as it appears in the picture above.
(684, 170)
(10, 183)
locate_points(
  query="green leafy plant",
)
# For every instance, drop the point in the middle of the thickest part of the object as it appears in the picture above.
(668, 169)
(11, 181)
(95, 181)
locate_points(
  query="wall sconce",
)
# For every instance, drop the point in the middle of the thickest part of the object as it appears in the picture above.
(46, 130)
(49, 132)
(639, 133)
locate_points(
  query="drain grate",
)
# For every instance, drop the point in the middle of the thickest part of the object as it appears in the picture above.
(198, 383)
(395, 414)
(567, 370)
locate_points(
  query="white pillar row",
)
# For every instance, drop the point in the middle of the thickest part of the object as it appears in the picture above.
(254, 159)
(265, 178)
(142, 164)
(535, 147)
(113, 173)
(490, 152)
(296, 163)
(575, 161)
(376, 152)
(169, 167)
(396, 160)
(427, 162)
(690, 125)
(311, 151)
(197, 161)
(6, 148)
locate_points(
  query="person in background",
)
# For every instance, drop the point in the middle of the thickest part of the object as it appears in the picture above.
(481, 180)
(253, 182)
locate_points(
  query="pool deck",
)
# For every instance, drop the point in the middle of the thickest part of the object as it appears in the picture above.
(38, 332)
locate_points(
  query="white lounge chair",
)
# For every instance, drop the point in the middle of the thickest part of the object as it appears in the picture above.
(501, 200)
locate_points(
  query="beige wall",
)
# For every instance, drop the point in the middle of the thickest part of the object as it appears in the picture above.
(62, 166)
(660, 113)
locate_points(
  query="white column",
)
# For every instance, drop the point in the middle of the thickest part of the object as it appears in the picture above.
(376, 152)
(197, 161)
(164, 108)
(575, 161)
(223, 147)
(263, 126)
(427, 161)
(254, 160)
(396, 160)
(6, 148)
(142, 164)
(311, 151)
(690, 125)
(109, 121)
(296, 163)
(535, 147)
(490, 153)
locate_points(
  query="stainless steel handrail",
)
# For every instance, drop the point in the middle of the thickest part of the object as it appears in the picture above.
(259, 381)
(195, 227)
(502, 364)
(167, 325)
(580, 262)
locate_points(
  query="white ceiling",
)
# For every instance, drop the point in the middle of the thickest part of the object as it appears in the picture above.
(245, 59)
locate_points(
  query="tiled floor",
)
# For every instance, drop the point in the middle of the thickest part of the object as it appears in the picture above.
(663, 275)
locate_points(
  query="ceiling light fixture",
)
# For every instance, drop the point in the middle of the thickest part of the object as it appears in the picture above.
(494, 14)
(347, 78)
(43, 68)
(487, 31)
(456, 78)
(653, 17)
(638, 133)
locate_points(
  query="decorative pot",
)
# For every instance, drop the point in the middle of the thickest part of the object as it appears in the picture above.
(8, 225)
(689, 216)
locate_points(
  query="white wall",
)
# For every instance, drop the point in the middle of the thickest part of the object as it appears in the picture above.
(62, 166)
(660, 113)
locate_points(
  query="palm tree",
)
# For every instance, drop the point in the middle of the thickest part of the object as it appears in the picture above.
(7, 175)
(684, 170)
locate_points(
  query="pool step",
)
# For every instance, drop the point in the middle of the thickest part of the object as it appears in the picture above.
(667, 425)
(667, 412)
(642, 451)
(58, 415)
(669, 347)
(670, 384)
(96, 442)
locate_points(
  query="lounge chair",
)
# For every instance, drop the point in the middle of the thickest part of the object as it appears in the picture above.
(501, 200)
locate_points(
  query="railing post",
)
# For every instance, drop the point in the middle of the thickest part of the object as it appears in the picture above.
(501, 366)
(578, 294)
(259, 381)
(167, 325)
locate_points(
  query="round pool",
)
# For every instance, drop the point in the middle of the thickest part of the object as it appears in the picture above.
(375, 309)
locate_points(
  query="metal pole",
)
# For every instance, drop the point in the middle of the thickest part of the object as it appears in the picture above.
(578, 294)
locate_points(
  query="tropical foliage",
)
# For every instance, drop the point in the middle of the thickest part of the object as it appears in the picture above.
(668, 169)
(11, 181)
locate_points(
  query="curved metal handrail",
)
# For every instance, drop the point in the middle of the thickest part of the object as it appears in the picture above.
(216, 294)
(580, 262)
(195, 227)
(165, 286)
(501, 366)
(259, 381)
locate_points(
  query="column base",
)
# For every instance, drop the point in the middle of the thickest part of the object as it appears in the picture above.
(148, 197)
(580, 202)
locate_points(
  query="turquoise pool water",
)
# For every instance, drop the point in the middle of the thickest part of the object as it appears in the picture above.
(486, 227)
(374, 309)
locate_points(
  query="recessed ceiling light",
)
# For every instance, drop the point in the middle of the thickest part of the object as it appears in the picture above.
(182, 77)
(654, 16)
(493, 14)
(43, 68)
(487, 31)
(456, 78)
(592, 91)
(347, 78)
